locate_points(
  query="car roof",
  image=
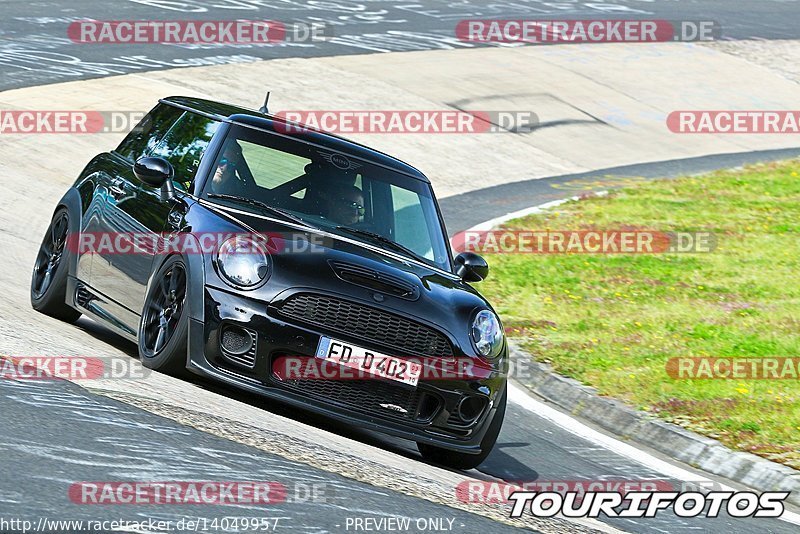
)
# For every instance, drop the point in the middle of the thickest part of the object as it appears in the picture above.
(249, 117)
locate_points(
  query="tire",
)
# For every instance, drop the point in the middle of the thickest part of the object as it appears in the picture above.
(460, 460)
(50, 272)
(164, 326)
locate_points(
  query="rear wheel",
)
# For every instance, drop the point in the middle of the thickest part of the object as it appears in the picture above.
(460, 460)
(165, 320)
(49, 278)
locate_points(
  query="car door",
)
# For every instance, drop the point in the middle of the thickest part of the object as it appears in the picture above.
(137, 213)
(108, 217)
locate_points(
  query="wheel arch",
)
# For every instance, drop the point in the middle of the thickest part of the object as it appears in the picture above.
(195, 276)
(72, 202)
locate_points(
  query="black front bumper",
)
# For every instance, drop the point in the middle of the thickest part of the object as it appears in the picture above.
(425, 413)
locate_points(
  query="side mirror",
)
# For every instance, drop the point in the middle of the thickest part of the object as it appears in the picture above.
(471, 267)
(156, 172)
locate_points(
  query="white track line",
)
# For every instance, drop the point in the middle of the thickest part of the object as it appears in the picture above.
(573, 426)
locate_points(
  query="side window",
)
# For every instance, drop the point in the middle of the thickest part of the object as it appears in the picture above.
(185, 144)
(149, 132)
(410, 223)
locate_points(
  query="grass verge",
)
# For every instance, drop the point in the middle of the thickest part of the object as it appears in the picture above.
(613, 321)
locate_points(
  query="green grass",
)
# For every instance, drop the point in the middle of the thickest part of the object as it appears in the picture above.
(613, 321)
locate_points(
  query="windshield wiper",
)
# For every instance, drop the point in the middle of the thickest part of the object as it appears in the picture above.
(262, 205)
(385, 241)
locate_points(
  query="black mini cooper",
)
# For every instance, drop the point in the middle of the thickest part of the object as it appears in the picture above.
(288, 262)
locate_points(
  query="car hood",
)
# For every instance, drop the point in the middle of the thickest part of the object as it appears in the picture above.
(309, 261)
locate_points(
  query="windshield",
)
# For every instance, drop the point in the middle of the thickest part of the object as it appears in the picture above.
(331, 191)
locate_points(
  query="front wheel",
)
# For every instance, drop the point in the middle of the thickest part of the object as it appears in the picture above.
(49, 278)
(460, 460)
(164, 326)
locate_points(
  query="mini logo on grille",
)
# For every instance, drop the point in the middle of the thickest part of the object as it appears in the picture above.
(394, 408)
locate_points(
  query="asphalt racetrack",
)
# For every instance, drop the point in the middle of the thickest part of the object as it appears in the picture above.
(35, 48)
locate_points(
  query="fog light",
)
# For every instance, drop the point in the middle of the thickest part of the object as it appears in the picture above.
(236, 340)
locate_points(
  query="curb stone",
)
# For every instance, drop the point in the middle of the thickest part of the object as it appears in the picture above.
(676, 442)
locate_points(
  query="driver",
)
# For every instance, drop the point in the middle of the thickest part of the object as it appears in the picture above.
(346, 205)
(225, 180)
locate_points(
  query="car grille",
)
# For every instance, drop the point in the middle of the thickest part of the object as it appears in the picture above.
(367, 323)
(374, 396)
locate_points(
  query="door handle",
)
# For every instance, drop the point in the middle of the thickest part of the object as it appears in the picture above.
(175, 219)
(117, 189)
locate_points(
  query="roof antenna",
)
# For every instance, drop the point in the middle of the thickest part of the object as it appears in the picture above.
(263, 110)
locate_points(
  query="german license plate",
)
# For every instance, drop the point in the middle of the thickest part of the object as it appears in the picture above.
(368, 361)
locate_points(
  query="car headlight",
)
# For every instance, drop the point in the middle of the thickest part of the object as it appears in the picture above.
(242, 261)
(486, 333)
